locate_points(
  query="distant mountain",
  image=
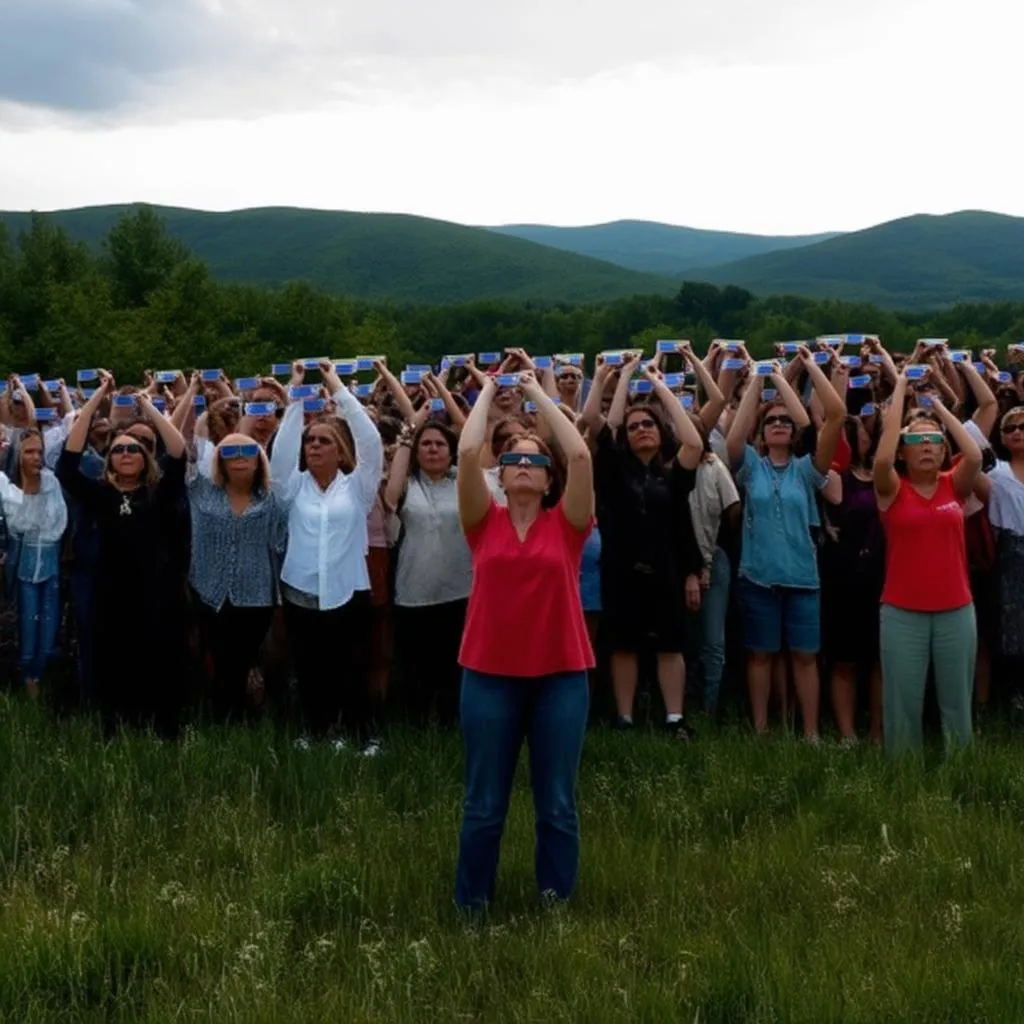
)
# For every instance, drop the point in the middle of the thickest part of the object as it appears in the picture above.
(920, 262)
(658, 248)
(375, 255)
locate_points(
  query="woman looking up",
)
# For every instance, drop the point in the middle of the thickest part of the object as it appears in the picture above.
(927, 612)
(525, 652)
(778, 574)
(239, 530)
(325, 583)
(136, 511)
(434, 572)
(651, 562)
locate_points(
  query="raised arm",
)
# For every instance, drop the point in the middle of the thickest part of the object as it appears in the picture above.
(968, 469)
(887, 481)
(833, 408)
(171, 437)
(988, 407)
(474, 495)
(794, 406)
(436, 388)
(617, 412)
(592, 415)
(578, 498)
(284, 459)
(365, 435)
(394, 385)
(714, 401)
(691, 445)
(743, 421)
(79, 433)
(398, 476)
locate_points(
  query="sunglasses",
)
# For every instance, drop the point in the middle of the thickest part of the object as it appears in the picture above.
(1013, 428)
(147, 443)
(524, 459)
(929, 438)
(644, 424)
(239, 451)
(126, 449)
(316, 439)
(778, 421)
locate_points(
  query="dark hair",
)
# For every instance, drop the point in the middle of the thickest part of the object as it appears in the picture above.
(501, 433)
(668, 446)
(555, 471)
(444, 430)
(851, 429)
(222, 418)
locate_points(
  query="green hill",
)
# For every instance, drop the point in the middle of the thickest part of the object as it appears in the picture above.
(917, 262)
(375, 255)
(658, 248)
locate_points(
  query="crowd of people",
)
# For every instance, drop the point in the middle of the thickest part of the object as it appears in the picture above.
(501, 540)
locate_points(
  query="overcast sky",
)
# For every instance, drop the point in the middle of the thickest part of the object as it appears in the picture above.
(774, 116)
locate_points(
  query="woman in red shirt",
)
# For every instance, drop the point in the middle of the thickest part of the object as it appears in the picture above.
(927, 614)
(525, 651)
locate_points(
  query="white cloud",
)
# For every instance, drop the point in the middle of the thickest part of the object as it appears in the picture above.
(801, 116)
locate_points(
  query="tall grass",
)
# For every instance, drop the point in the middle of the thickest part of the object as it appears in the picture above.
(231, 877)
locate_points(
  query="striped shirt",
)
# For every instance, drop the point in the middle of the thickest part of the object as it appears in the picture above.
(235, 558)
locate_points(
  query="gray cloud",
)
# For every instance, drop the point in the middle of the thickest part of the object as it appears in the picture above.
(205, 57)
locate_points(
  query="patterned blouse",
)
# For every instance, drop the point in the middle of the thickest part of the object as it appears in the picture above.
(235, 558)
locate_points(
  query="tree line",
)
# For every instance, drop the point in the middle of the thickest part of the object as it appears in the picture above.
(144, 301)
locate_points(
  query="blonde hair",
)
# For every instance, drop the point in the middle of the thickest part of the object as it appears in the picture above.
(262, 477)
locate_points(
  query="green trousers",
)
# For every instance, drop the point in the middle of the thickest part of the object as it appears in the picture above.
(910, 642)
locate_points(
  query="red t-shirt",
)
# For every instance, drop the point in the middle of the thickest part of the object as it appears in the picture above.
(525, 618)
(926, 550)
(843, 456)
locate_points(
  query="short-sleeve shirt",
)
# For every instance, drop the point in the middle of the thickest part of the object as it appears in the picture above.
(778, 549)
(926, 550)
(524, 617)
(715, 491)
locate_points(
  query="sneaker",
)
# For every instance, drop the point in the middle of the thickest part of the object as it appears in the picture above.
(848, 743)
(372, 749)
(301, 743)
(623, 724)
(339, 744)
(680, 730)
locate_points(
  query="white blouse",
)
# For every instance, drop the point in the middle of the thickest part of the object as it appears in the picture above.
(327, 539)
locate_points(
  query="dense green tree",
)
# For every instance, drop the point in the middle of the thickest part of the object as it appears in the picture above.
(146, 302)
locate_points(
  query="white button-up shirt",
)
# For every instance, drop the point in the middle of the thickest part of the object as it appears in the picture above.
(327, 539)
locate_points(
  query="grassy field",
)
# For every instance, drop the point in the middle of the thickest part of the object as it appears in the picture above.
(232, 877)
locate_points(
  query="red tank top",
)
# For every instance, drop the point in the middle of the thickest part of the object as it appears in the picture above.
(926, 550)
(525, 618)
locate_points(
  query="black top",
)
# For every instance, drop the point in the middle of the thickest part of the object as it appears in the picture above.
(645, 513)
(138, 564)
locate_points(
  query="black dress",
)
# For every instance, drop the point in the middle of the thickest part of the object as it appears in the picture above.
(648, 548)
(139, 594)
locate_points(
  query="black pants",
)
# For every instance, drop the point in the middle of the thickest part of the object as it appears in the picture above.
(233, 637)
(329, 651)
(428, 638)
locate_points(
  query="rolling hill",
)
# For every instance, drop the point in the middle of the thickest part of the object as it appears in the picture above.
(916, 262)
(375, 255)
(658, 248)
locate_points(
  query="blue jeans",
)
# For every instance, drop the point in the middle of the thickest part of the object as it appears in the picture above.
(714, 607)
(38, 622)
(497, 713)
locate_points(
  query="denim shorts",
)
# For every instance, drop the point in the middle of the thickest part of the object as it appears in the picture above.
(777, 618)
